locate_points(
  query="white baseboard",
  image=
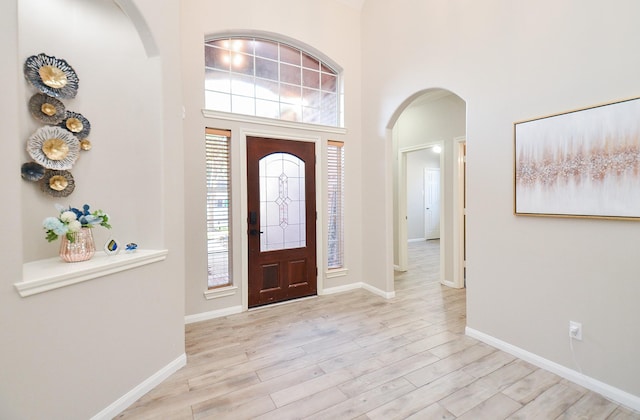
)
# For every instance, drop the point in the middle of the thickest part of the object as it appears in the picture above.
(204, 316)
(340, 289)
(379, 292)
(617, 395)
(132, 396)
(450, 283)
(359, 285)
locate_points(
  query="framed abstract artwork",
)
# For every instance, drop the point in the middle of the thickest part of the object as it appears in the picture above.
(583, 163)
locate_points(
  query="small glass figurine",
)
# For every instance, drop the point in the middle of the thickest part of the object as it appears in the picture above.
(112, 247)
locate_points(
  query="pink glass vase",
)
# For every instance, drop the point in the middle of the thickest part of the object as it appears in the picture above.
(81, 248)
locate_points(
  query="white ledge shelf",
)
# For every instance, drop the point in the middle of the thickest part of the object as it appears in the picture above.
(50, 274)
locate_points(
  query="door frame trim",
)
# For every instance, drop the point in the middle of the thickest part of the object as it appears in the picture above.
(459, 191)
(459, 210)
(317, 140)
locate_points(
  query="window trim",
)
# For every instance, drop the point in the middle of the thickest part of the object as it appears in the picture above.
(340, 169)
(252, 119)
(230, 283)
(332, 273)
(220, 292)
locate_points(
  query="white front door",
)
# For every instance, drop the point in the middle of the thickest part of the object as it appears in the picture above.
(431, 203)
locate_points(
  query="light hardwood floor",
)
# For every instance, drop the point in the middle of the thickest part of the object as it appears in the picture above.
(355, 355)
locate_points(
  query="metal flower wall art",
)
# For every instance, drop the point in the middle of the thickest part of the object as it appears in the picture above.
(55, 147)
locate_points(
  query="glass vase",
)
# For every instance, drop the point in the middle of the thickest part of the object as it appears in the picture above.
(80, 248)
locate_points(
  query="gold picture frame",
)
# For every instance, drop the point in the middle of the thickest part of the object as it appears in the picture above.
(583, 163)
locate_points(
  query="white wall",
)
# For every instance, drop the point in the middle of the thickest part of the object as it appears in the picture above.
(527, 277)
(72, 352)
(306, 23)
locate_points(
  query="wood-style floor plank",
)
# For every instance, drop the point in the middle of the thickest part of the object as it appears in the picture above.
(499, 406)
(484, 388)
(550, 404)
(355, 355)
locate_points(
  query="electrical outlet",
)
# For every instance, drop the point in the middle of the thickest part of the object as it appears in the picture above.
(575, 330)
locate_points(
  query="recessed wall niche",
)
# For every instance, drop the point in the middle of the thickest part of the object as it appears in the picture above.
(120, 91)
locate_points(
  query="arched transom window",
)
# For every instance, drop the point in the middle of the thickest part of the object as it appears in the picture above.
(266, 78)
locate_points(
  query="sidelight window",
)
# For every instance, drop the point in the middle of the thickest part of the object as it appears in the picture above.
(335, 204)
(218, 207)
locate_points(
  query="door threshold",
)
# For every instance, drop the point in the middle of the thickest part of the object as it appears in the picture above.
(284, 302)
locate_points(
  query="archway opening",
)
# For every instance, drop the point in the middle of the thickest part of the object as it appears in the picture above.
(430, 119)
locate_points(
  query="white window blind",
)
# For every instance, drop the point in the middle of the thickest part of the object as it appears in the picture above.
(218, 207)
(335, 186)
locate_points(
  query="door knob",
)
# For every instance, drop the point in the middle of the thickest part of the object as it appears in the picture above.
(254, 232)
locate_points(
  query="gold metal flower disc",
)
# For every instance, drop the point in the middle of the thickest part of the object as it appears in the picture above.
(74, 125)
(58, 182)
(53, 77)
(85, 144)
(55, 149)
(48, 109)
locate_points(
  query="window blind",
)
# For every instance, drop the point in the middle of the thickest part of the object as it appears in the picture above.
(218, 173)
(335, 187)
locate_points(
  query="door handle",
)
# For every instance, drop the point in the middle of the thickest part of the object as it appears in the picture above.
(255, 232)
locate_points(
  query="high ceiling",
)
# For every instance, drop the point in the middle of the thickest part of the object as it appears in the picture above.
(356, 4)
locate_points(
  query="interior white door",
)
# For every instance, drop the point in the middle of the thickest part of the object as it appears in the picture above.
(431, 203)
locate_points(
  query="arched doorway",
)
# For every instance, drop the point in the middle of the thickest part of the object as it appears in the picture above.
(428, 119)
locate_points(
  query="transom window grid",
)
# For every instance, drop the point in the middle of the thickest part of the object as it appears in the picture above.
(218, 172)
(265, 78)
(335, 187)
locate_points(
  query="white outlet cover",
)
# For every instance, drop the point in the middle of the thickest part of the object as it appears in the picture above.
(575, 330)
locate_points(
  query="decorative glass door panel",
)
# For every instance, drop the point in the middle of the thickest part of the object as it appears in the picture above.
(282, 202)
